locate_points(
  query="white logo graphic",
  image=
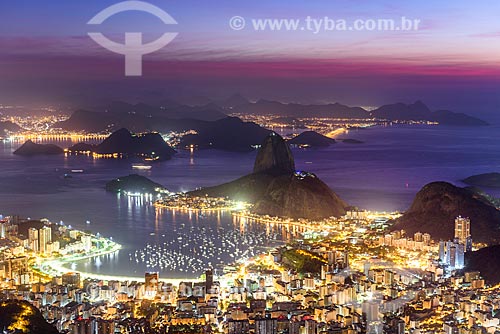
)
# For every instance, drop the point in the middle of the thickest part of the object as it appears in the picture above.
(237, 23)
(133, 49)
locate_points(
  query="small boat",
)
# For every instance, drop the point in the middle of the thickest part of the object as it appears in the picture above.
(141, 166)
(77, 171)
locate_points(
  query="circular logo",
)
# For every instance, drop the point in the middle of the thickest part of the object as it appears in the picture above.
(92, 289)
(237, 23)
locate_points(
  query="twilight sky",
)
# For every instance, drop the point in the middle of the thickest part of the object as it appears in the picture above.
(452, 61)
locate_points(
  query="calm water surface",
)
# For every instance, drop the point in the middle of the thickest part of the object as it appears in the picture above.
(383, 174)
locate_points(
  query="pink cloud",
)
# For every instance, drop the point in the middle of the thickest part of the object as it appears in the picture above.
(79, 57)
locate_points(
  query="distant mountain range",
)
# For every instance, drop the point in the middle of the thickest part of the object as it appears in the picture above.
(417, 111)
(169, 115)
(233, 101)
(92, 121)
(336, 110)
(226, 133)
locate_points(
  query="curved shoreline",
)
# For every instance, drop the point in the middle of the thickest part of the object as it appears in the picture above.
(56, 267)
(61, 265)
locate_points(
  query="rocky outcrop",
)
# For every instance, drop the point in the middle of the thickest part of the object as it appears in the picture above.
(276, 189)
(301, 195)
(30, 148)
(274, 157)
(82, 147)
(485, 261)
(134, 183)
(22, 317)
(436, 206)
(228, 134)
(149, 145)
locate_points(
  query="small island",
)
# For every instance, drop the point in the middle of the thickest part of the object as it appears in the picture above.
(134, 185)
(123, 144)
(311, 139)
(484, 180)
(30, 148)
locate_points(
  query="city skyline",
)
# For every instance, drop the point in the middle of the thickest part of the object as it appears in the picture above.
(249, 167)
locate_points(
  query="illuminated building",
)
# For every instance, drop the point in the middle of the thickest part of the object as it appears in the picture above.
(151, 284)
(3, 230)
(388, 239)
(53, 247)
(266, 325)
(71, 279)
(462, 229)
(33, 239)
(370, 310)
(426, 238)
(105, 326)
(238, 326)
(16, 269)
(45, 234)
(87, 242)
(209, 280)
(84, 326)
(73, 234)
(452, 254)
(310, 326)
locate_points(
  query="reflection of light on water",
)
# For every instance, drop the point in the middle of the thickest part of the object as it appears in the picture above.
(98, 262)
(188, 242)
(193, 246)
(73, 266)
(336, 132)
(286, 231)
(112, 256)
